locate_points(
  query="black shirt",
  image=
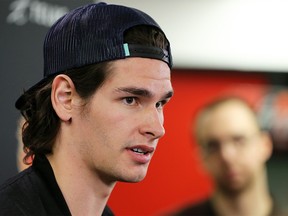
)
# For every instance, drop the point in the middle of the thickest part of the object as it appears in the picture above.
(201, 209)
(35, 191)
(205, 208)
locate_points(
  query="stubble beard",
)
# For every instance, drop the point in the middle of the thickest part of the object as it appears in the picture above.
(234, 190)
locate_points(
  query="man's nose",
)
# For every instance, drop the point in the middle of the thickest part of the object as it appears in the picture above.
(152, 126)
(228, 152)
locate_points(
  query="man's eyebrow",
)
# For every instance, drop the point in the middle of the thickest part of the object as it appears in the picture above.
(168, 95)
(136, 91)
(142, 92)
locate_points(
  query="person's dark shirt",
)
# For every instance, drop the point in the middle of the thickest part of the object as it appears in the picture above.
(205, 208)
(35, 191)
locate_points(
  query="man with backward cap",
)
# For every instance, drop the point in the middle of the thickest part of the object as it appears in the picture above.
(96, 116)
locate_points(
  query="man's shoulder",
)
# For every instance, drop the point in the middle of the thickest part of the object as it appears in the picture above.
(17, 194)
(203, 208)
(19, 182)
(15, 183)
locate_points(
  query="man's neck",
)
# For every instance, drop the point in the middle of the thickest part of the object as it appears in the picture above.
(255, 201)
(85, 192)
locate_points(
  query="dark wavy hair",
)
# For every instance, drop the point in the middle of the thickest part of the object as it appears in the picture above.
(42, 123)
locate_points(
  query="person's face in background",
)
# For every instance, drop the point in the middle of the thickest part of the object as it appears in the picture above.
(234, 149)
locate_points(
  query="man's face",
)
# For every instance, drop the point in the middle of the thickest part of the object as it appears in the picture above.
(233, 147)
(120, 127)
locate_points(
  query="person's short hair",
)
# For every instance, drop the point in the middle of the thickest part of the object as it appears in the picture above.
(208, 108)
(83, 44)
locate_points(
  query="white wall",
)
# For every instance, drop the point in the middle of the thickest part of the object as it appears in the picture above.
(225, 34)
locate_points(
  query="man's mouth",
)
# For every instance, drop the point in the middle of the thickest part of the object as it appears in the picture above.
(142, 153)
(142, 149)
(139, 151)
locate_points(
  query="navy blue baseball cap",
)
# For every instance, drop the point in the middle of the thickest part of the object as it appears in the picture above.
(92, 34)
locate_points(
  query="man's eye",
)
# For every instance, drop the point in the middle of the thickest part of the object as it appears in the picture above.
(212, 146)
(239, 140)
(160, 104)
(129, 100)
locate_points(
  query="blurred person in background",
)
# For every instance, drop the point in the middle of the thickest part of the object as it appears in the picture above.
(97, 115)
(234, 150)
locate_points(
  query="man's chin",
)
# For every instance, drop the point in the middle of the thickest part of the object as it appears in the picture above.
(134, 178)
(232, 188)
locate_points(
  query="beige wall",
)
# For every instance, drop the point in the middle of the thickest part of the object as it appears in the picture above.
(226, 34)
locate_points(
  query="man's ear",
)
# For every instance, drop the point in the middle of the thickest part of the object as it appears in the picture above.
(62, 92)
(267, 145)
